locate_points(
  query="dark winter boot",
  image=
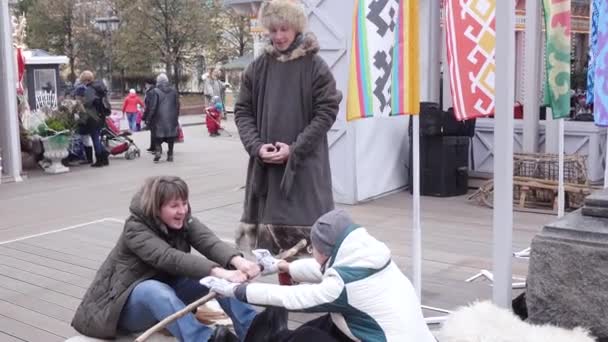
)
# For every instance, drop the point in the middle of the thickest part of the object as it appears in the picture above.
(88, 152)
(268, 325)
(98, 161)
(158, 152)
(170, 157)
(223, 334)
(105, 158)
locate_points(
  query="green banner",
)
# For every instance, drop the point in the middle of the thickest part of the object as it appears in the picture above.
(557, 56)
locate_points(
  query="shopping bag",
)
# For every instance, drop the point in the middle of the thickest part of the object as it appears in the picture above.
(180, 134)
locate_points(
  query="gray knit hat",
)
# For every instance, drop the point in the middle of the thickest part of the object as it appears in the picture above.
(328, 228)
(162, 78)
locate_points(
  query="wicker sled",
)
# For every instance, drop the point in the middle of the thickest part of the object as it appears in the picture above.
(535, 183)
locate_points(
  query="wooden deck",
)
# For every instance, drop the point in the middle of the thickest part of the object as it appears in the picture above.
(56, 230)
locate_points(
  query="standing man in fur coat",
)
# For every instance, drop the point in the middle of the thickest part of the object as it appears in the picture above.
(287, 104)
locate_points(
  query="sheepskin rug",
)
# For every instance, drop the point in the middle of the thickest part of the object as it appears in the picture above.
(485, 322)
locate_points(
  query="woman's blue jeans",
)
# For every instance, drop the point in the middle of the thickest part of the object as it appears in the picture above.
(132, 118)
(97, 143)
(153, 300)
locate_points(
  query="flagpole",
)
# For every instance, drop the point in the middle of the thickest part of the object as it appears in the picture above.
(424, 94)
(417, 230)
(560, 188)
(503, 152)
(429, 47)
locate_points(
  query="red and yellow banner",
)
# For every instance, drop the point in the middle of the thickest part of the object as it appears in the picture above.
(471, 47)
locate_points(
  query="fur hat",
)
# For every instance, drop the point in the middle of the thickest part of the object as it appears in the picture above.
(283, 12)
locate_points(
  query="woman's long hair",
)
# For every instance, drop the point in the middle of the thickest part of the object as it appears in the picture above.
(159, 190)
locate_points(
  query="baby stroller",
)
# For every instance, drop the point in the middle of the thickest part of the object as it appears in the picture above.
(77, 154)
(117, 142)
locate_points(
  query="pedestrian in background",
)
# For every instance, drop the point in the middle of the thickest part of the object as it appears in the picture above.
(81, 125)
(163, 117)
(149, 94)
(140, 114)
(214, 87)
(97, 108)
(213, 115)
(129, 107)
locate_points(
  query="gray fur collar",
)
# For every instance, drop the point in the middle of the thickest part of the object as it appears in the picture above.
(309, 45)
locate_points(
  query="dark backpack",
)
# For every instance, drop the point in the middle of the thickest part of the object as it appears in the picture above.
(106, 107)
(102, 102)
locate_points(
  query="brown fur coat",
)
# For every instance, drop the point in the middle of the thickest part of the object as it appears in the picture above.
(290, 98)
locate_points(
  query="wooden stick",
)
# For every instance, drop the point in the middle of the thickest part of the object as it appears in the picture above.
(160, 325)
(293, 250)
(192, 306)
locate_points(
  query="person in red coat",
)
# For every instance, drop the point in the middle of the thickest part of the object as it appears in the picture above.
(213, 116)
(130, 107)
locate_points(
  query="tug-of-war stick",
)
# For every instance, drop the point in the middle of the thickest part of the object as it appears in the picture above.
(192, 306)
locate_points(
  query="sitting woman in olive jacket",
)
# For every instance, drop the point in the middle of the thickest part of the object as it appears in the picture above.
(151, 273)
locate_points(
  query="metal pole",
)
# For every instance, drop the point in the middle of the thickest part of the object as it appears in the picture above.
(417, 229)
(110, 62)
(532, 76)
(503, 151)
(9, 120)
(429, 84)
(560, 188)
(551, 133)
(433, 13)
(430, 50)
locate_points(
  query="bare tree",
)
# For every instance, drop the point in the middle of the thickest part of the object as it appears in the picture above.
(174, 28)
(66, 27)
(231, 37)
(52, 25)
(236, 34)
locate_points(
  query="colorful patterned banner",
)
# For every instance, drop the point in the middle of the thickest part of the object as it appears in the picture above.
(557, 86)
(384, 32)
(471, 44)
(593, 29)
(406, 65)
(600, 89)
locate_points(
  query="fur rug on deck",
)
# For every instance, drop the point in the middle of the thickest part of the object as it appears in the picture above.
(485, 322)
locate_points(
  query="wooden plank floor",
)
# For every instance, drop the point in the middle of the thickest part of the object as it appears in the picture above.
(43, 277)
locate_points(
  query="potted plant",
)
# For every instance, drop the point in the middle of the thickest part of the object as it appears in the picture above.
(56, 132)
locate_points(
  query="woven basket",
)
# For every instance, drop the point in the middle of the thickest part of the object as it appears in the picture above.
(546, 167)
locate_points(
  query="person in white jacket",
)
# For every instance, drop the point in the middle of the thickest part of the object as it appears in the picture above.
(352, 278)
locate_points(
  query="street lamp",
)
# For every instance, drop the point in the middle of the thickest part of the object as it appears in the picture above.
(107, 25)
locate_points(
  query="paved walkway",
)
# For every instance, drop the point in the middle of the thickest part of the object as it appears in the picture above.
(56, 230)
